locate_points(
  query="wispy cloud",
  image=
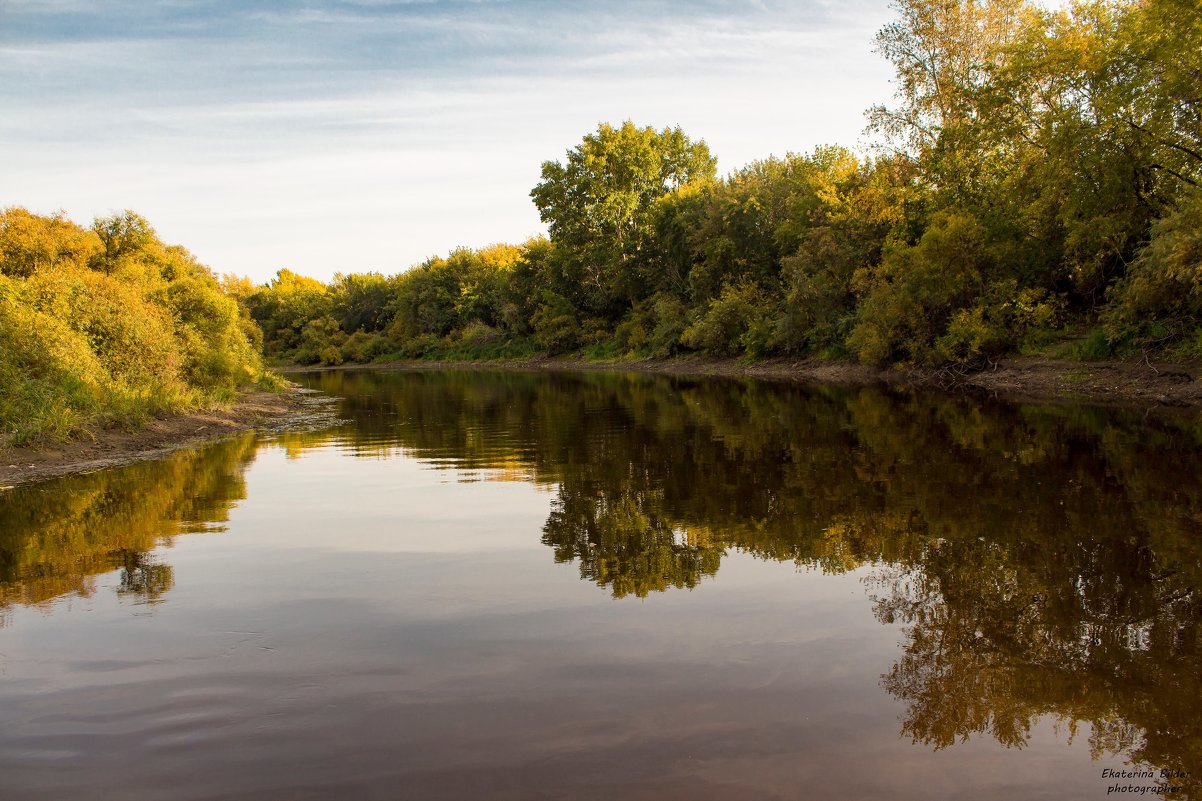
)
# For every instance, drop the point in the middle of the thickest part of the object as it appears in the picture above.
(374, 132)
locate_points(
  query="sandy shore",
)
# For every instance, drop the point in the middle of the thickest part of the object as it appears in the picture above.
(108, 448)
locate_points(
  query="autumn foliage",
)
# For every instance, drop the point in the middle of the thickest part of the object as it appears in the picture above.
(108, 325)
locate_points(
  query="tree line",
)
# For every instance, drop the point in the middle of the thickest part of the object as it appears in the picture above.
(1035, 189)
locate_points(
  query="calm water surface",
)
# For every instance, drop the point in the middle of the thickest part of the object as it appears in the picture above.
(559, 586)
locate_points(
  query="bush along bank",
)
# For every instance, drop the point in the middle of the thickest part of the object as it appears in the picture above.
(107, 325)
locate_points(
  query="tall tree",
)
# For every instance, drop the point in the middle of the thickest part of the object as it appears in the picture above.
(599, 205)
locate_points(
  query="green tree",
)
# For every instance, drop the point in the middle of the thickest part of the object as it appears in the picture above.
(599, 206)
(859, 205)
(424, 299)
(284, 307)
(360, 301)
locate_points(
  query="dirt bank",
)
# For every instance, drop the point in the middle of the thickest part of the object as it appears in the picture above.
(107, 448)
(1136, 382)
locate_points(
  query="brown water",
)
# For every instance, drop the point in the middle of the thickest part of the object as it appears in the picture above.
(560, 586)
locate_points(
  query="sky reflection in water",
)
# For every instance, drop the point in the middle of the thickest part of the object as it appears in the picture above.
(787, 593)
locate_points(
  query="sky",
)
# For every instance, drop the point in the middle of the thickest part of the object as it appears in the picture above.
(368, 135)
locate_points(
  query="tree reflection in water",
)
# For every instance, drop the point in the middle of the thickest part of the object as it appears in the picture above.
(57, 536)
(1041, 560)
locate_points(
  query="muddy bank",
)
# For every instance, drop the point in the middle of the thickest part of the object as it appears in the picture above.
(1141, 382)
(108, 448)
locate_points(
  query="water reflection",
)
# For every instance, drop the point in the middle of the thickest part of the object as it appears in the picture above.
(1041, 561)
(57, 536)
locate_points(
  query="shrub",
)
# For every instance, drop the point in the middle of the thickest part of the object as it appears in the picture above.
(910, 299)
(419, 346)
(1160, 300)
(53, 382)
(739, 319)
(653, 327)
(108, 326)
(321, 342)
(364, 347)
(555, 324)
(993, 326)
(476, 334)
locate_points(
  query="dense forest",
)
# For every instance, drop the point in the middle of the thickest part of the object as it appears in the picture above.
(1034, 188)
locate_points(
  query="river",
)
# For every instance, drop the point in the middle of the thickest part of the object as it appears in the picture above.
(521, 585)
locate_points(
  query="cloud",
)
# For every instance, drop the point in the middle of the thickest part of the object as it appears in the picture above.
(376, 133)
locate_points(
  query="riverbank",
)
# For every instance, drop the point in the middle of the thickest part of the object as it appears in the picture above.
(1140, 383)
(112, 447)
(1135, 382)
